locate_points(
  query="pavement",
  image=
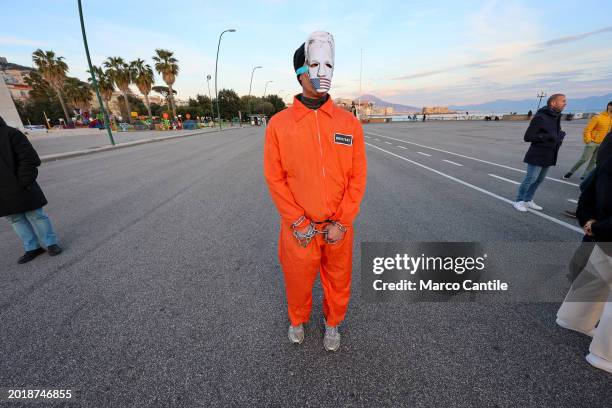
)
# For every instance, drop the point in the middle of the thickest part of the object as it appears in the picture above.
(169, 292)
(58, 144)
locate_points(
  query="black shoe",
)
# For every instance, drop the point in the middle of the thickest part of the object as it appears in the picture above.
(582, 178)
(567, 175)
(29, 255)
(54, 250)
(570, 213)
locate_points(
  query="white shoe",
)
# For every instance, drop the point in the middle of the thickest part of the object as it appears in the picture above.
(533, 206)
(296, 334)
(599, 362)
(519, 206)
(331, 341)
(568, 326)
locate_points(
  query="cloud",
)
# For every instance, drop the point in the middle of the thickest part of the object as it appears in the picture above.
(488, 63)
(569, 39)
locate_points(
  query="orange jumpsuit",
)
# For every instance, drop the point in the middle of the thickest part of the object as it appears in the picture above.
(315, 166)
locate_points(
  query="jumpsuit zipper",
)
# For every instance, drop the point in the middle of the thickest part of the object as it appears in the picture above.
(322, 162)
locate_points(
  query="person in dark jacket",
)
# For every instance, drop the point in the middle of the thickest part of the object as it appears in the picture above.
(594, 210)
(21, 198)
(588, 305)
(545, 134)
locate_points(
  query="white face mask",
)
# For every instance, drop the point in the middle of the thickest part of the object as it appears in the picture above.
(319, 53)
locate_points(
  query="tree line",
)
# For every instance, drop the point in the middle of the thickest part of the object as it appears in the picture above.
(54, 92)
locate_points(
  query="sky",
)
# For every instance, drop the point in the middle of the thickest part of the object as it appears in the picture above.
(416, 53)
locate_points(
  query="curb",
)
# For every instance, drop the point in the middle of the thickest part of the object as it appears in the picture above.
(78, 153)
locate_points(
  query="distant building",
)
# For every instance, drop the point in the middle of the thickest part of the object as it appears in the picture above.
(7, 106)
(180, 102)
(14, 77)
(436, 110)
(344, 103)
(382, 110)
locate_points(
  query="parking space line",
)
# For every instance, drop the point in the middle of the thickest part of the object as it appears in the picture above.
(402, 147)
(452, 162)
(482, 190)
(571, 200)
(505, 179)
(472, 158)
(388, 143)
(424, 154)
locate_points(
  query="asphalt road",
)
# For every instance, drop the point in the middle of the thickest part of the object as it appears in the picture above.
(169, 292)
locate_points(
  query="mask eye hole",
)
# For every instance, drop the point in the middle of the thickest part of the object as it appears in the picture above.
(329, 66)
(314, 65)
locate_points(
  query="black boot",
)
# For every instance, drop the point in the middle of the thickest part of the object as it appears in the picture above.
(54, 250)
(29, 255)
(568, 175)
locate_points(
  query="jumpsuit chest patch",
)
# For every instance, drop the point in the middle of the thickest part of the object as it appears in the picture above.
(340, 138)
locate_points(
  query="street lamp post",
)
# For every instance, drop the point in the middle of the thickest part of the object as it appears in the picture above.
(359, 96)
(541, 95)
(212, 109)
(250, 86)
(266, 88)
(93, 78)
(231, 30)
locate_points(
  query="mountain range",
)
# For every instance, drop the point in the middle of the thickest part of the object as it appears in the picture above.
(588, 104)
(396, 106)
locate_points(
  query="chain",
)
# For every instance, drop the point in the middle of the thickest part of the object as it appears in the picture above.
(304, 238)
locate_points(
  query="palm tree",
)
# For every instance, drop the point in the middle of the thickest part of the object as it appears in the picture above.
(78, 94)
(53, 70)
(164, 91)
(143, 79)
(167, 66)
(105, 85)
(121, 74)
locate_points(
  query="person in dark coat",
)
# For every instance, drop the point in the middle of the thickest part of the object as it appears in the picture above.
(545, 135)
(588, 305)
(594, 210)
(21, 198)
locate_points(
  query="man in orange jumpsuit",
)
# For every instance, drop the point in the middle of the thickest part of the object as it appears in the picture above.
(315, 167)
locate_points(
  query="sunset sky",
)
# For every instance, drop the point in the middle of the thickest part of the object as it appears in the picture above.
(416, 52)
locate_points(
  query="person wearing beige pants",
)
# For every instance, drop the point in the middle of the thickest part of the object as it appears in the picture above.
(588, 302)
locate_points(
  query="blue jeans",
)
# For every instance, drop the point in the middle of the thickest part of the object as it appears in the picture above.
(534, 177)
(34, 228)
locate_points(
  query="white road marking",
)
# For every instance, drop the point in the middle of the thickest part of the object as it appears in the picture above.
(472, 158)
(482, 190)
(388, 143)
(571, 200)
(377, 139)
(505, 179)
(452, 162)
(402, 147)
(424, 154)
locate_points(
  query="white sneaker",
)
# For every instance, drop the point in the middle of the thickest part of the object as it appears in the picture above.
(568, 326)
(533, 206)
(599, 362)
(331, 341)
(296, 334)
(519, 206)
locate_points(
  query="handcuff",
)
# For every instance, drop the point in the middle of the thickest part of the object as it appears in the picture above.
(304, 238)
